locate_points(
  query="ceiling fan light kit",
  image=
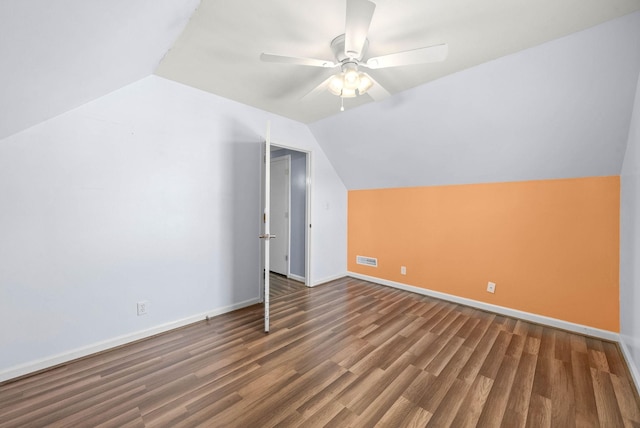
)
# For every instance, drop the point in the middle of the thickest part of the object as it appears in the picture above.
(350, 82)
(350, 48)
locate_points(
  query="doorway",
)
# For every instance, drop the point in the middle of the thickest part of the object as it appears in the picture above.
(280, 207)
(293, 195)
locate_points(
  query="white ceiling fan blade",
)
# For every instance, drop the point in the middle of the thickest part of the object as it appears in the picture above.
(317, 90)
(377, 91)
(359, 14)
(266, 57)
(417, 56)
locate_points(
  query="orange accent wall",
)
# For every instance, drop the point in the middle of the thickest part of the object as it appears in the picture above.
(551, 247)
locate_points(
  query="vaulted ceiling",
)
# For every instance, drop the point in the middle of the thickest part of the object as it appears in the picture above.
(530, 90)
(57, 55)
(220, 48)
(558, 110)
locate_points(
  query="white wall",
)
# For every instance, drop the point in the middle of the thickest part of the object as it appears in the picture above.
(630, 244)
(149, 193)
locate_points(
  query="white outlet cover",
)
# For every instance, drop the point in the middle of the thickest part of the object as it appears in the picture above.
(403, 270)
(143, 308)
(491, 287)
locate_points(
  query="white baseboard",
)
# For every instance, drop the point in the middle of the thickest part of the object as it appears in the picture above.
(635, 373)
(296, 277)
(328, 279)
(527, 316)
(84, 351)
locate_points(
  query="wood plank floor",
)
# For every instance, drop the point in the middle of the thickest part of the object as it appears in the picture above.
(349, 353)
(280, 285)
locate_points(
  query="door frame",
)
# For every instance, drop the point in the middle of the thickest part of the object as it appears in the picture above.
(308, 190)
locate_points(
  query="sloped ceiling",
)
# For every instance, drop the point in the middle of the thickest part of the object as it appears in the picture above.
(220, 48)
(558, 110)
(57, 55)
(531, 90)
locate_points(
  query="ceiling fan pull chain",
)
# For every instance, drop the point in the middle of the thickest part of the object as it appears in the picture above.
(341, 104)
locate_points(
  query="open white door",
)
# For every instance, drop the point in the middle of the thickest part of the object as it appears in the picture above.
(265, 236)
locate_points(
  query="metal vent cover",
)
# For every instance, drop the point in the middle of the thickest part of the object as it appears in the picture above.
(367, 261)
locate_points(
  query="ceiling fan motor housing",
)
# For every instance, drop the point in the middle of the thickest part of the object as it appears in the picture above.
(337, 46)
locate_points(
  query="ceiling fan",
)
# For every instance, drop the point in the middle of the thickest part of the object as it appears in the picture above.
(350, 49)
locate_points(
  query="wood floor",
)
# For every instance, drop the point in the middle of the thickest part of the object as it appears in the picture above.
(280, 285)
(349, 353)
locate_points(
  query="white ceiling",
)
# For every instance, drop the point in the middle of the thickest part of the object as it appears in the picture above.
(558, 110)
(57, 55)
(515, 100)
(219, 50)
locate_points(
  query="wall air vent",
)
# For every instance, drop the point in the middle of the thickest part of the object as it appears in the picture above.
(367, 261)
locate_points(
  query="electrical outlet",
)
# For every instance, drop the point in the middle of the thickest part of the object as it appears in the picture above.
(143, 307)
(403, 270)
(491, 287)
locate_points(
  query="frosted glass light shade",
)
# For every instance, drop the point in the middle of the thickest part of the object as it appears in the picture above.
(336, 83)
(351, 79)
(350, 82)
(348, 93)
(364, 83)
